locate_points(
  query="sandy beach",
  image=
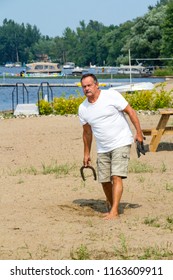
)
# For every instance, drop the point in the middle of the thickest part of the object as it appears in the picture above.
(49, 212)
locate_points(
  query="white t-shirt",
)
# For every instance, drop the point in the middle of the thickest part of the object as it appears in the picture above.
(107, 121)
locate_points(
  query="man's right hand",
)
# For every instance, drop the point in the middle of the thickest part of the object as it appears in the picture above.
(87, 161)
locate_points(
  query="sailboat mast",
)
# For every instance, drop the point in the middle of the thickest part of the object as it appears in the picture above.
(130, 67)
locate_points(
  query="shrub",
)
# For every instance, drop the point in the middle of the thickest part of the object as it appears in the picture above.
(163, 72)
(140, 100)
(150, 100)
(62, 106)
(45, 108)
(162, 98)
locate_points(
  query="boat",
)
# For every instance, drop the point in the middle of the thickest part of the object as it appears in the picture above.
(18, 64)
(9, 64)
(78, 71)
(69, 65)
(134, 87)
(138, 70)
(46, 68)
(131, 87)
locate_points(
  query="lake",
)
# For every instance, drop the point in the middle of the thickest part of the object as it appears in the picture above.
(6, 92)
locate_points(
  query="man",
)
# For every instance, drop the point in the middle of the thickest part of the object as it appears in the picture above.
(102, 114)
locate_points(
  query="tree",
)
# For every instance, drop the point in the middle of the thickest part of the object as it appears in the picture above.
(167, 32)
(16, 41)
(145, 36)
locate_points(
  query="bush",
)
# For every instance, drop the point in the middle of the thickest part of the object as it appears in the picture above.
(139, 100)
(62, 106)
(150, 99)
(45, 108)
(163, 72)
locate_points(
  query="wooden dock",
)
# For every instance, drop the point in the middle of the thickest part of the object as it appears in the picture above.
(38, 85)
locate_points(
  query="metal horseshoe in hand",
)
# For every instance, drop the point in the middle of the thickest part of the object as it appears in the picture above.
(82, 173)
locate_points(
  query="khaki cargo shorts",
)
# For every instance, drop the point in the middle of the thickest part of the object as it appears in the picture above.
(113, 163)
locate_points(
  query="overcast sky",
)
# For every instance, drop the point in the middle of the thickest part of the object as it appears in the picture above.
(52, 17)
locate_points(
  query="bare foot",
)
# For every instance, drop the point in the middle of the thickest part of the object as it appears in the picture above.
(111, 216)
(105, 214)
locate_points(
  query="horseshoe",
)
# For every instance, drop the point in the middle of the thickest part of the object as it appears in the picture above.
(82, 173)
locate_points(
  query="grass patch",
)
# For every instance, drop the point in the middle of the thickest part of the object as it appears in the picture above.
(151, 222)
(122, 252)
(169, 187)
(81, 253)
(163, 167)
(52, 168)
(58, 170)
(139, 167)
(156, 253)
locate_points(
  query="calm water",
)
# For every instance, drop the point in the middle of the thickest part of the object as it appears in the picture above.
(6, 92)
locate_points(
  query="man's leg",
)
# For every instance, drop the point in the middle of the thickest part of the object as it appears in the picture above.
(107, 188)
(113, 193)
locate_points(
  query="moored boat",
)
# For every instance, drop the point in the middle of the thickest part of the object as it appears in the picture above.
(43, 68)
(78, 71)
(69, 65)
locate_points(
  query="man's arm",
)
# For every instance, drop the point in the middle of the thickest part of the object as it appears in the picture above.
(87, 139)
(134, 119)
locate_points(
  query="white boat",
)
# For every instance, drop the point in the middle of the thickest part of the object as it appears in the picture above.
(17, 64)
(78, 71)
(131, 87)
(69, 65)
(43, 68)
(134, 87)
(9, 65)
(133, 69)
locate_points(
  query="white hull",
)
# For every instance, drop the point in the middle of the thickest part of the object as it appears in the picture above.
(134, 87)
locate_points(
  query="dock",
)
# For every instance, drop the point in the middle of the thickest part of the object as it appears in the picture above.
(37, 85)
(110, 84)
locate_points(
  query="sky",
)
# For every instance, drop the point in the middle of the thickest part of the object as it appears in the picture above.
(52, 17)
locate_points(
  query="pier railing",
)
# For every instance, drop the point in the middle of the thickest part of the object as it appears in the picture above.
(19, 88)
(20, 92)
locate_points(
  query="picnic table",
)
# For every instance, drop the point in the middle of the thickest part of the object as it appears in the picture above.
(160, 130)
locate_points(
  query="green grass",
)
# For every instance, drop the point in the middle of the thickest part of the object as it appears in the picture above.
(81, 253)
(151, 222)
(169, 187)
(52, 168)
(139, 167)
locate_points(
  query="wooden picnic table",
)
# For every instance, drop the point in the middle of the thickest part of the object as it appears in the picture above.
(160, 130)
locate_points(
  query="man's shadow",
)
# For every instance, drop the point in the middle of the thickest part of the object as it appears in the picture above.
(99, 205)
(163, 146)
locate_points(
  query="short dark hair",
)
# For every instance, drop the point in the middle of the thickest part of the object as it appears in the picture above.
(89, 75)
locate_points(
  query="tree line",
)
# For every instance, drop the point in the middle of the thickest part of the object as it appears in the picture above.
(149, 36)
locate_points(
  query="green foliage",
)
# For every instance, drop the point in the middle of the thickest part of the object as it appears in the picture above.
(147, 36)
(168, 71)
(162, 99)
(139, 100)
(139, 167)
(64, 106)
(45, 108)
(81, 253)
(150, 100)
(17, 41)
(61, 105)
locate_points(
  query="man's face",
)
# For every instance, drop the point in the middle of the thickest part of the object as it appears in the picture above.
(89, 86)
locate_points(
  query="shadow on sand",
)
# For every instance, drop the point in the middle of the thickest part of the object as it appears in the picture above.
(99, 205)
(163, 146)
